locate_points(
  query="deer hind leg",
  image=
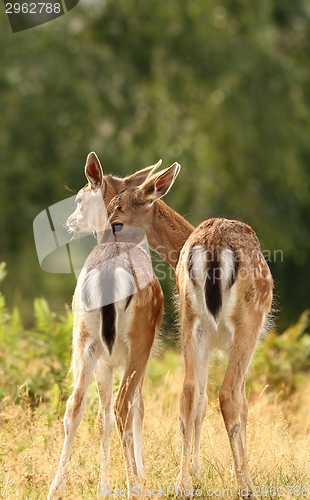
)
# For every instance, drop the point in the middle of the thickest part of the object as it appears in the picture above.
(104, 380)
(84, 361)
(138, 414)
(124, 409)
(201, 410)
(193, 400)
(233, 402)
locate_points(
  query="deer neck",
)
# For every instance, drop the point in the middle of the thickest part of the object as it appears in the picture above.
(167, 232)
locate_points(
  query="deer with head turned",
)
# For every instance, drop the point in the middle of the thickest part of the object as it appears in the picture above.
(225, 293)
(117, 309)
(109, 185)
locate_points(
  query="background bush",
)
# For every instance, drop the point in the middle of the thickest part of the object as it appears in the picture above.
(34, 363)
(220, 86)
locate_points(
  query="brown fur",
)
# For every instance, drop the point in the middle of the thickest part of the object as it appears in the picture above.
(169, 230)
(140, 339)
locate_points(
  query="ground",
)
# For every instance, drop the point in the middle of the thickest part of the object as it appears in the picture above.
(278, 446)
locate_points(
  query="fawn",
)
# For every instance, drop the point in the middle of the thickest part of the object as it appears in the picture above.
(117, 309)
(225, 293)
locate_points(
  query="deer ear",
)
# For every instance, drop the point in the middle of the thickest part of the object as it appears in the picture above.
(93, 171)
(139, 177)
(158, 185)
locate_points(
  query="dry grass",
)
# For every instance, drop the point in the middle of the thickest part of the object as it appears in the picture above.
(278, 443)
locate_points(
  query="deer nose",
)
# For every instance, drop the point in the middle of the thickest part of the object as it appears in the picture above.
(70, 221)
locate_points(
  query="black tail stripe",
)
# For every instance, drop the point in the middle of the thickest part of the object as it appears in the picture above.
(235, 272)
(213, 293)
(108, 325)
(128, 301)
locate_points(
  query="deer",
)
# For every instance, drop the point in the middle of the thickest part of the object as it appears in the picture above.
(117, 309)
(110, 185)
(225, 293)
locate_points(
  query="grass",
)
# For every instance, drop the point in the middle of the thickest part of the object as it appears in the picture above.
(278, 443)
(34, 385)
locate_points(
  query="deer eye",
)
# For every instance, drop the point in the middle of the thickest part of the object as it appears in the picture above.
(117, 227)
(78, 201)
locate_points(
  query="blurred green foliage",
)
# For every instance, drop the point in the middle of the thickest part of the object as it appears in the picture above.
(34, 363)
(221, 86)
(282, 362)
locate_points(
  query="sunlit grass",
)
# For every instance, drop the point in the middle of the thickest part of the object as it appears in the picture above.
(278, 443)
(34, 385)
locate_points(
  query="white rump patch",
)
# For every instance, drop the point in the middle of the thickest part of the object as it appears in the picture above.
(124, 285)
(227, 262)
(99, 290)
(202, 258)
(92, 290)
(199, 256)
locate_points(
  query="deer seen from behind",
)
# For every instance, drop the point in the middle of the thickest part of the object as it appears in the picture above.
(225, 293)
(117, 309)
